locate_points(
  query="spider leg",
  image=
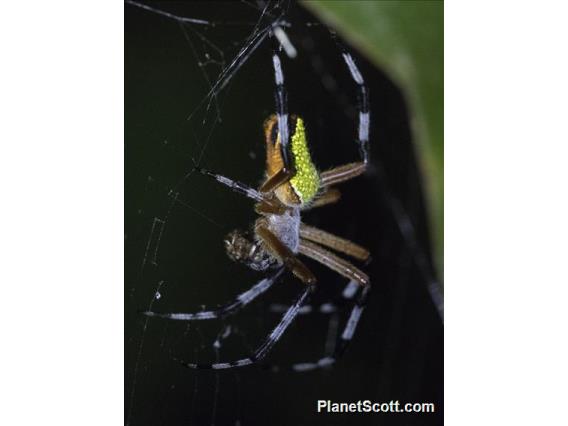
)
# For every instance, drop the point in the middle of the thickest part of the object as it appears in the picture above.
(401, 217)
(230, 308)
(333, 262)
(350, 290)
(329, 196)
(270, 204)
(345, 338)
(351, 170)
(234, 185)
(281, 109)
(363, 100)
(272, 207)
(348, 293)
(277, 132)
(273, 182)
(275, 246)
(342, 173)
(334, 242)
(261, 352)
(323, 309)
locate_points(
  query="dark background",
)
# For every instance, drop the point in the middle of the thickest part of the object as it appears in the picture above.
(175, 226)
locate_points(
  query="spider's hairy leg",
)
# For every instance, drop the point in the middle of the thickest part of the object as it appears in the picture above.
(333, 262)
(272, 207)
(234, 185)
(281, 177)
(240, 188)
(267, 345)
(334, 242)
(342, 173)
(328, 196)
(230, 308)
(288, 258)
(345, 338)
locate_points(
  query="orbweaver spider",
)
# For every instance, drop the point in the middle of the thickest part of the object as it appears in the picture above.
(292, 185)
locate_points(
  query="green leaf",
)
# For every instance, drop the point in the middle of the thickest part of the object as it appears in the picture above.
(405, 39)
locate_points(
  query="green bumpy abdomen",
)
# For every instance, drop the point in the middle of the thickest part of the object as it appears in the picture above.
(306, 181)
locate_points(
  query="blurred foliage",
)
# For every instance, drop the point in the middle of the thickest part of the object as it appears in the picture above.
(405, 39)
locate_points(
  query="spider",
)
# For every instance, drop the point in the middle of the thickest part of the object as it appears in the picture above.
(292, 185)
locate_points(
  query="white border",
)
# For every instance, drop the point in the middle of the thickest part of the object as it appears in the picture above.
(61, 166)
(506, 212)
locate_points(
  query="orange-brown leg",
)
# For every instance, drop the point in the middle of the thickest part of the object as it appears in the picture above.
(330, 196)
(271, 206)
(342, 173)
(333, 262)
(282, 252)
(282, 176)
(334, 242)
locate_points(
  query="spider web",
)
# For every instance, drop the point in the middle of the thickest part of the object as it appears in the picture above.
(198, 85)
